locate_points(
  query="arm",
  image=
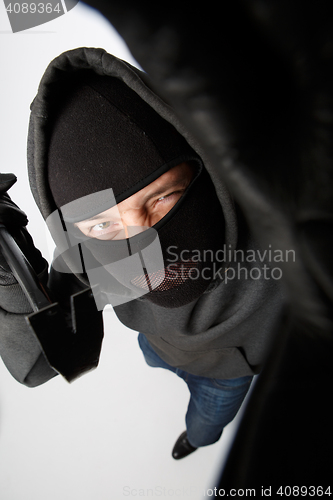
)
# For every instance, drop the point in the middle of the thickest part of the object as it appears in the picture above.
(19, 347)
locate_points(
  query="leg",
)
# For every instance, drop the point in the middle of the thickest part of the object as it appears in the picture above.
(213, 404)
(152, 359)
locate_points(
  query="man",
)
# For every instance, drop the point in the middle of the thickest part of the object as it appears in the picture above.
(117, 176)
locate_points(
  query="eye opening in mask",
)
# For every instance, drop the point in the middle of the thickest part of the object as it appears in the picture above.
(147, 208)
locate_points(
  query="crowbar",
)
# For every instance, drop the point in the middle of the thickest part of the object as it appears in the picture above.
(71, 343)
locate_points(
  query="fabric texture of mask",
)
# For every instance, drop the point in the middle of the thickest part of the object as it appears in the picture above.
(105, 136)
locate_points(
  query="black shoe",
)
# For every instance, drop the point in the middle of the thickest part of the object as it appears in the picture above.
(182, 447)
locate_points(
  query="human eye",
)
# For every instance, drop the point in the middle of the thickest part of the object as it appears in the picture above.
(105, 229)
(169, 198)
(101, 226)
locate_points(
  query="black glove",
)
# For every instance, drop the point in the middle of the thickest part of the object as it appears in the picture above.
(15, 221)
(10, 214)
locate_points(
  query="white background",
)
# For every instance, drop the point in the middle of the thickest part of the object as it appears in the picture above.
(108, 435)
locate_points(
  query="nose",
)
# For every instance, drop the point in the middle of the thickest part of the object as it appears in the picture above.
(133, 218)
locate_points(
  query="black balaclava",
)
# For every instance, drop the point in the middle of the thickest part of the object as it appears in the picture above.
(106, 144)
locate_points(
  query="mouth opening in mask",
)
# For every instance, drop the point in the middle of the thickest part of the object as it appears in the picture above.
(165, 279)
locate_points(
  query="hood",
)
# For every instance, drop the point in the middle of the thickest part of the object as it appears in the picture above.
(99, 61)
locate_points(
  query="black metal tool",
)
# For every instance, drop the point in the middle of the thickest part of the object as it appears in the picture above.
(70, 343)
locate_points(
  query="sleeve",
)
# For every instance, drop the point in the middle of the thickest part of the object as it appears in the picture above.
(19, 347)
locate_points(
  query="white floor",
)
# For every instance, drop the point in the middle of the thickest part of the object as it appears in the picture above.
(108, 435)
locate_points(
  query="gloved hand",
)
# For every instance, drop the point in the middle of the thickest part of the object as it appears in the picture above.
(15, 221)
(70, 344)
(10, 214)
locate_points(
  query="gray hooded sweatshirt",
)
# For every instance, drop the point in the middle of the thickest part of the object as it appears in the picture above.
(225, 333)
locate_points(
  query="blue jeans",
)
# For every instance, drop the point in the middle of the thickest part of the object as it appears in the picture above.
(213, 402)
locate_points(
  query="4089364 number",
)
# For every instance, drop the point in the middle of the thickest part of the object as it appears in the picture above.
(34, 8)
(311, 491)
